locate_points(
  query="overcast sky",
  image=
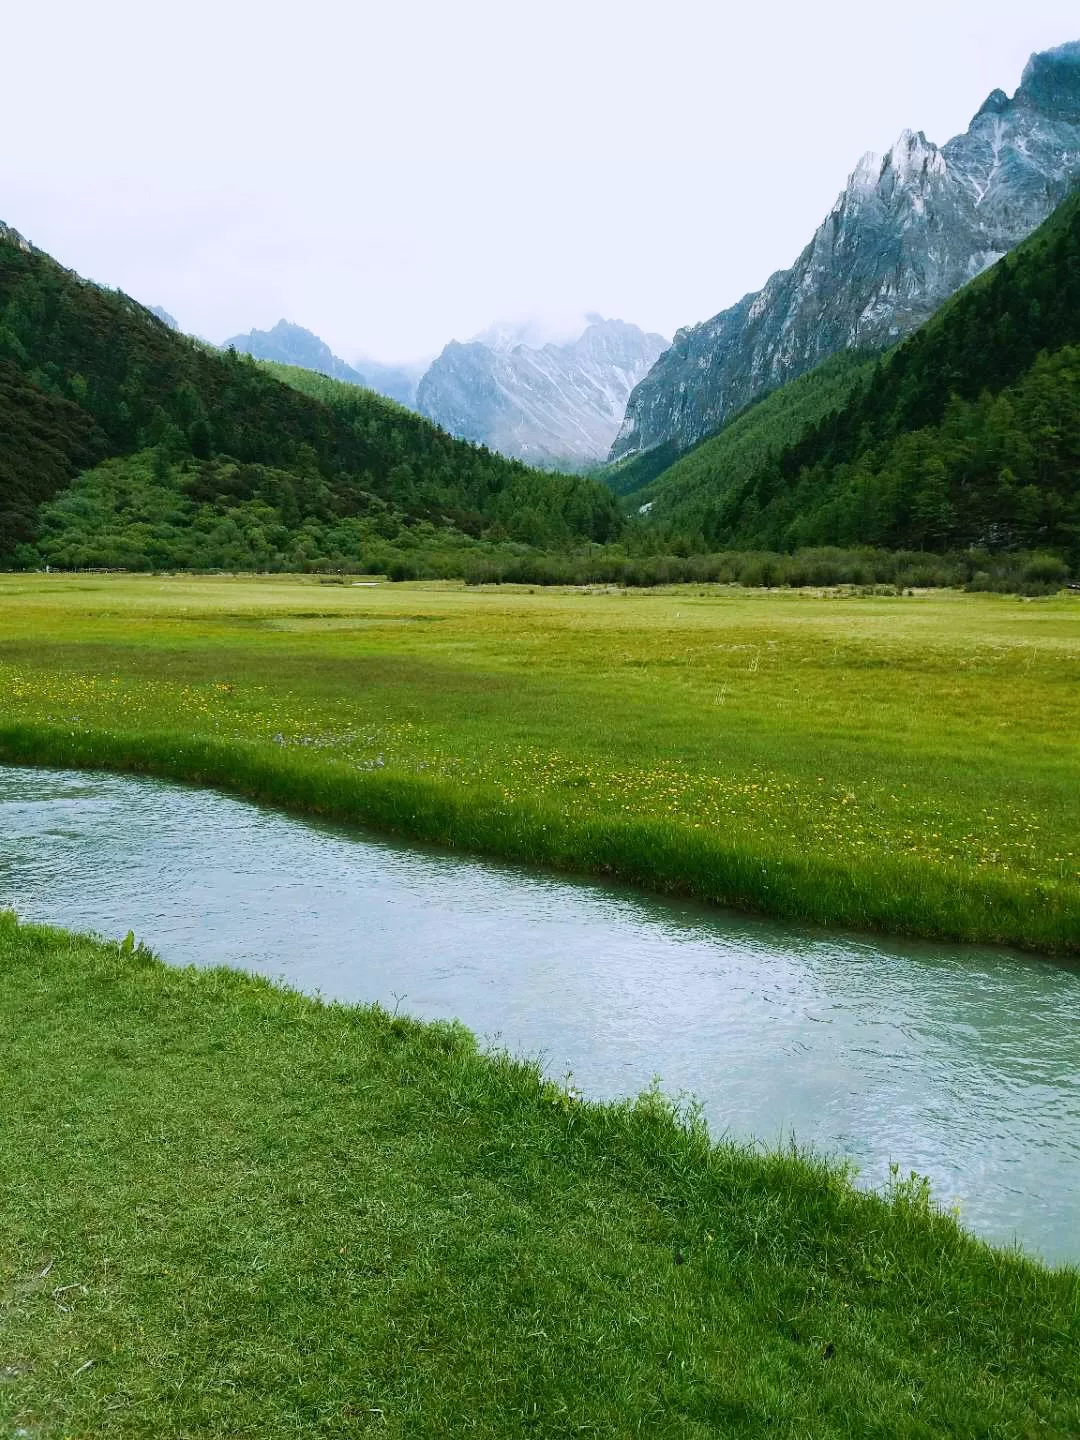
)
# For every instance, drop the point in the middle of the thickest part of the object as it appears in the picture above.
(395, 175)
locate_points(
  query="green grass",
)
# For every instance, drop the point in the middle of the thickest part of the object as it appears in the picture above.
(227, 1210)
(905, 763)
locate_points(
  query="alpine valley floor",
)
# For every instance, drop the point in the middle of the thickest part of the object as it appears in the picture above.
(906, 763)
(230, 1210)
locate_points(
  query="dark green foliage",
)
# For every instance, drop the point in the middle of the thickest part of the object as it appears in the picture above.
(683, 488)
(88, 373)
(148, 512)
(1022, 572)
(498, 498)
(967, 435)
(627, 477)
(43, 440)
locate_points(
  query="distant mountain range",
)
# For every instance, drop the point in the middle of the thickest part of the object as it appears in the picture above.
(552, 404)
(124, 443)
(908, 231)
(547, 404)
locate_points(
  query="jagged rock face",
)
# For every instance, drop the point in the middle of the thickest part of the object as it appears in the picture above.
(907, 232)
(12, 237)
(293, 345)
(164, 316)
(550, 405)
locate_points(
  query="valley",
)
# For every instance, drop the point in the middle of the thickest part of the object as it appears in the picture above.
(540, 886)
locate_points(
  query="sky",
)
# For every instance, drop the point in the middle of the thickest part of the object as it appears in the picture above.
(396, 175)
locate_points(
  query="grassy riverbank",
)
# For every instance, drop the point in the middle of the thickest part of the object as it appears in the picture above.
(907, 763)
(226, 1210)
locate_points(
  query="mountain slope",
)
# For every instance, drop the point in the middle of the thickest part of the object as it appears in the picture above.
(290, 344)
(906, 233)
(966, 435)
(686, 490)
(87, 374)
(551, 405)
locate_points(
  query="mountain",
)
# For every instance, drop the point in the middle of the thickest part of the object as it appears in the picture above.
(290, 344)
(396, 382)
(163, 316)
(907, 232)
(965, 436)
(124, 442)
(557, 405)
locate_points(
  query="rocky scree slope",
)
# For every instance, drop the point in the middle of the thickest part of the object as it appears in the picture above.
(907, 232)
(558, 405)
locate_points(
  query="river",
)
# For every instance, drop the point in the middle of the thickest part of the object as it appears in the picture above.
(962, 1064)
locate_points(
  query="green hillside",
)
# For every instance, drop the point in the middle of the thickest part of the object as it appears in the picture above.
(684, 491)
(88, 375)
(968, 434)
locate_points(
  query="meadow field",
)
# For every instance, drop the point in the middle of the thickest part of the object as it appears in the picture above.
(906, 763)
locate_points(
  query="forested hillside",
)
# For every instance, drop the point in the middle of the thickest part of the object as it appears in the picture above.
(88, 375)
(123, 443)
(968, 434)
(687, 487)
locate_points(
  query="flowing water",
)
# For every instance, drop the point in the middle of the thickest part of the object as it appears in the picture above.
(962, 1064)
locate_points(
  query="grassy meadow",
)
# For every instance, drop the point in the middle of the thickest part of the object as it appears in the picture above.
(901, 762)
(227, 1210)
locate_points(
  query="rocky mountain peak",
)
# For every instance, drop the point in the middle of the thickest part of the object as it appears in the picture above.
(615, 342)
(995, 103)
(912, 160)
(906, 233)
(1051, 82)
(291, 344)
(548, 404)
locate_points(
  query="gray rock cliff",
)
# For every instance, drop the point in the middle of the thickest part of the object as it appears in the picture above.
(907, 232)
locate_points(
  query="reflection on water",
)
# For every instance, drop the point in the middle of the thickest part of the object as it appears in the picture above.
(962, 1064)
